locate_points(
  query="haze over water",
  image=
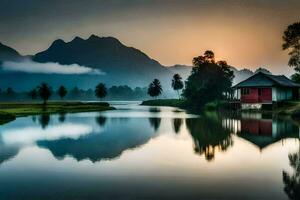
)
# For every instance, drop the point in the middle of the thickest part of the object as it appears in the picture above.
(145, 152)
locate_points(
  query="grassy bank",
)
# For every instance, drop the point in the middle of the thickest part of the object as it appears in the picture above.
(9, 111)
(291, 108)
(5, 118)
(165, 102)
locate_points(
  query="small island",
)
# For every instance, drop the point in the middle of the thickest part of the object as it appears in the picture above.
(10, 111)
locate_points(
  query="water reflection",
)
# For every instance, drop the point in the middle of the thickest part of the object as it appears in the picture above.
(155, 122)
(145, 157)
(261, 130)
(108, 144)
(209, 136)
(177, 122)
(101, 120)
(292, 181)
(62, 117)
(7, 152)
(44, 120)
(154, 110)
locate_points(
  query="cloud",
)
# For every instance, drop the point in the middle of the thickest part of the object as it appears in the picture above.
(30, 66)
(29, 135)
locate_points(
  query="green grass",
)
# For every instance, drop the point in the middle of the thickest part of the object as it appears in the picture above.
(9, 111)
(6, 117)
(165, 102)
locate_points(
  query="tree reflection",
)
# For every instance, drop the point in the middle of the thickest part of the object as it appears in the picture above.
(208, 136)
(62, 117)
(155, 122)
(101, 120)
(177, 122)
(292, 181)
(154, 109)
(44, 120)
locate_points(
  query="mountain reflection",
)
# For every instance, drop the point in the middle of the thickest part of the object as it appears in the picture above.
(109, 144)
(209, 136)
(292, 181)
(7, 152)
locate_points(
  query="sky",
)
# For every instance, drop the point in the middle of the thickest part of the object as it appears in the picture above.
(247, 34)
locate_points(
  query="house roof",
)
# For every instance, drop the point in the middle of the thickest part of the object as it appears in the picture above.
(261, 79)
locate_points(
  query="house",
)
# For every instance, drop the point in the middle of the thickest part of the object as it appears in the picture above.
(265, 89)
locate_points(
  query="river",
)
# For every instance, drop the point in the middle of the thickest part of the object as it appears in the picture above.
(142, 152)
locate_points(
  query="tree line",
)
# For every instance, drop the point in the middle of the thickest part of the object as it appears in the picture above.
(122, 92)
(209, 80)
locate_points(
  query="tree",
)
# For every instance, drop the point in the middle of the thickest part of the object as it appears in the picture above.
(44, 92)
(33, 93)
(209, 80)
(177, 83)
(10, 92)
(155, 88)
(296, 77)
(62, 92)
(76, 92)
(291, 42)
(101, 90)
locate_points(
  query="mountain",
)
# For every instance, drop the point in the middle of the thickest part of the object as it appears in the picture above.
(108, 54)
(183, 70)
(122, 65)
(8, 53)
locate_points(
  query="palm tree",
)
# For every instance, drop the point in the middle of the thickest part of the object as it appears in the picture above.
(45, 92)
(155, 88)
(101, 90)
(62, 92)
(177, 83)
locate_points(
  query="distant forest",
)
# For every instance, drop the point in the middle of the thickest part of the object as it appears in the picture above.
(123, 92)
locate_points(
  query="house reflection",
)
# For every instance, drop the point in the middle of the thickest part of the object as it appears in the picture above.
(260, 129)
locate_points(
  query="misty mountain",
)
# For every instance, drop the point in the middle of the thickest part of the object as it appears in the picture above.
(8, 53)
(117, 61)
(118, 64)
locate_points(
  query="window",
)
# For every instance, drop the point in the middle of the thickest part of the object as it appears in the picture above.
(245, 91)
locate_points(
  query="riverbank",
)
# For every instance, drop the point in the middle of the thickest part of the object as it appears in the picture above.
(290, 109)
(165, 102)
(10, 111)
(180, 103)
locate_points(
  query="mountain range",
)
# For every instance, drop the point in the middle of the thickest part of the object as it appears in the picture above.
(118, 64)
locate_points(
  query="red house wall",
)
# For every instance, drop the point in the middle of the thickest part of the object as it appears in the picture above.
(254, 97)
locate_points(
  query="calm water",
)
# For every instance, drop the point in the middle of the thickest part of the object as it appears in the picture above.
(139, 152)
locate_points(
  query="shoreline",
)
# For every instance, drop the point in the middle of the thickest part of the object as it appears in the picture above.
(10, 111)
(289, 109)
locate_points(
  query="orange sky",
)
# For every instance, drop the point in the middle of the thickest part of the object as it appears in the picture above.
(245, 33)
